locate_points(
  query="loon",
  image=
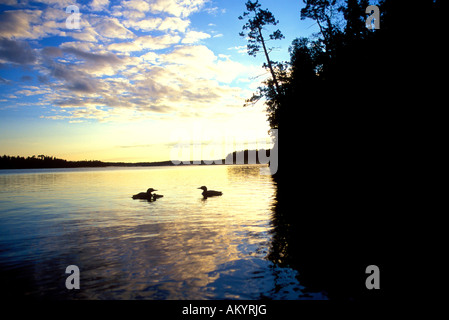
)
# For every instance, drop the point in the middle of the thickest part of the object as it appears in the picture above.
(147, 195)
(156, 196)
(210, 193)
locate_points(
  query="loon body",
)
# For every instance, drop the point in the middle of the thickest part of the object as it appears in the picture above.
(157, 196)
(147, 195)
(210, 193)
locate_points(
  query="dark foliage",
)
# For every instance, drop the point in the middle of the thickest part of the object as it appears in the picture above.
(253, 31)
(42, 161)
(246, 156)
(351, 107)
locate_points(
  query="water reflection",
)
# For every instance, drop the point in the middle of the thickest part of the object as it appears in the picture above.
(319, 233)
(236, 173)
(290, 246)
(237, 246)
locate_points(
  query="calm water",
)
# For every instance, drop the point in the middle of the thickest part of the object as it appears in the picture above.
(179, 247)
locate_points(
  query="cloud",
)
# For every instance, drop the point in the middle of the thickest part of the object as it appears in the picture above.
(125, 47)
(200, 62)
(16, 52)
(145, 43)
(128, 59)
(79, 58)
(150, 56)
(86, 33)
(178, 8)
(37, 24)
(239, 49)
(60, 4)
(96, 58)
(111, 28)
(187, 80)
(17, 23)
(214, 11)
(174, 24)
(147, 24)
(156, 43)
(51, 51)
(171, 14)
(77, 115)
(194, 36)
(100, 29)
(31, 91)
(4, 81)
(82, 85)
(99, 5)
(75, 80)
(159, 24)
(138, 5)
(32, 24)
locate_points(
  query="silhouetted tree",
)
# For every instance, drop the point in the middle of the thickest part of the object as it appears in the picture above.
(354, 14)
(348, 92)
(42, 161)
(324, 13)
(257, 20)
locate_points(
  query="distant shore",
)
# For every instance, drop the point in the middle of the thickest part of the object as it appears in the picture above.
(49, 162)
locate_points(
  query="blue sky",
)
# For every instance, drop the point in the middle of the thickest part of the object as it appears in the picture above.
(135, 79)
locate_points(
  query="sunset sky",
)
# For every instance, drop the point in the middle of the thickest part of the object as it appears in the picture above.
(135, 80)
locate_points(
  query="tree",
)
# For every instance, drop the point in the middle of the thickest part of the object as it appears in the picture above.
(257, 19)
(324, 13)
(354, 14)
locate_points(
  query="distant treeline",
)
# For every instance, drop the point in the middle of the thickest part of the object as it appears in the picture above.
(247, 157)
(43, 161)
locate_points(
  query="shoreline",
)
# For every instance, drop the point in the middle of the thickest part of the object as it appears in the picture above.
(48, 162)
(132, 166)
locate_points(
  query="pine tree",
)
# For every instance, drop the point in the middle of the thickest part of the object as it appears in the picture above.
(257, 19)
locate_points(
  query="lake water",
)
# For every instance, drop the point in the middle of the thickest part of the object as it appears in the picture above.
(179, 247)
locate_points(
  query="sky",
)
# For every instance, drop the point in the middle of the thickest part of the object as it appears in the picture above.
(136, 80)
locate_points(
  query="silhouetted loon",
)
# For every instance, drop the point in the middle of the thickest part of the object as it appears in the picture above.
(147, 195)
(157, 196)
(210, 193)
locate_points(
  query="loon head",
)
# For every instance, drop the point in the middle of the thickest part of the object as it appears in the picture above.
(204, 188)
(151, 190)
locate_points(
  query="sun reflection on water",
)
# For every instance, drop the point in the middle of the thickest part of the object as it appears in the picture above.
(178, 247)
